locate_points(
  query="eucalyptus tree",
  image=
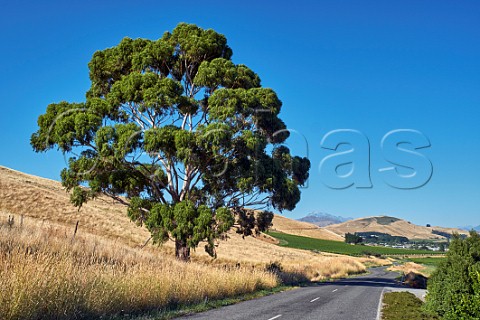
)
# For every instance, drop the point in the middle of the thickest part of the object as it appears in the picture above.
(187, 139)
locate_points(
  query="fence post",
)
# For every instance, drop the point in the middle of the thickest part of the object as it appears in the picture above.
(11, 220)
(145, 243)
(75, 232)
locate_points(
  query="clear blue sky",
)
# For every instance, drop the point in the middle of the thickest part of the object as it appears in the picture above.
(373, 66)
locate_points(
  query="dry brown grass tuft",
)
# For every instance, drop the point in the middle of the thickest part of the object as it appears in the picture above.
(297, 265)
(326, 268)
(408, 267)
(374, 261)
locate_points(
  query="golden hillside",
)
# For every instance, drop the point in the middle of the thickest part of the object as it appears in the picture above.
(47, 200)
(392, 226)
(305, 229)
(44, 201)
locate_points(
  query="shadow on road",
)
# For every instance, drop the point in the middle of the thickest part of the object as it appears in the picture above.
(378, 278)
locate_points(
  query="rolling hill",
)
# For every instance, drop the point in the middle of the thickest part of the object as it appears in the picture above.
(392, 226)
(47, 200)
(44, 202)
(300, 228)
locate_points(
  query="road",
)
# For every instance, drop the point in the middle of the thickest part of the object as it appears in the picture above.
(353, 298)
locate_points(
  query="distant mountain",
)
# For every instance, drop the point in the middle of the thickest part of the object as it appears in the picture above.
(468, 228)
(323, 219)
(393, 226)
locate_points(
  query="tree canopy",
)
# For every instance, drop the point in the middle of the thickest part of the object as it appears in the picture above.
(179, 133)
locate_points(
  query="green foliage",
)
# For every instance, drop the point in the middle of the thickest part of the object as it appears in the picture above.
(380, 237)
(352, 238)
(454, 288)
(177, 131)
(442, 247)
(404, 305)
(307, 243)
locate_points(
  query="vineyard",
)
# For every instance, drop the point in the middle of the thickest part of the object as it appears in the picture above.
(298, 242)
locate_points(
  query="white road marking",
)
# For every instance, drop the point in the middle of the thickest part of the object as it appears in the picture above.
(380, 304)
(275, 317)
(334, 290)
(315, 299)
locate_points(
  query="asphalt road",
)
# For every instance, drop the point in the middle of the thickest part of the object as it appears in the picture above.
(353, 298)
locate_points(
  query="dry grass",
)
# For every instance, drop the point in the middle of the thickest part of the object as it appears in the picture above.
(374, 261)
(297, 264)
(46, 275)
(408, 267)
(44, 199)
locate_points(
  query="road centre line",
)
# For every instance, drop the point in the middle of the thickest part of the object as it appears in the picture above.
(275, 317)
(315, 299)
(334, 290)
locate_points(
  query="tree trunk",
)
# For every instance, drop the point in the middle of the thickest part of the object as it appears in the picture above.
(182, 251)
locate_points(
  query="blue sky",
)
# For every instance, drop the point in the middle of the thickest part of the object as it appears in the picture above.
(372, 66)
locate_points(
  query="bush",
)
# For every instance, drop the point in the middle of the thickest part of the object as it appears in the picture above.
(454, 288)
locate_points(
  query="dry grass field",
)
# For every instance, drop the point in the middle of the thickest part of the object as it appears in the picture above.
(45, 274)
(105, 269)
(46, 200)
(398, 227)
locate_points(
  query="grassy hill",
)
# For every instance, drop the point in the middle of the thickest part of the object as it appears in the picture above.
(306, 229)
(46, 199)
(392, 226)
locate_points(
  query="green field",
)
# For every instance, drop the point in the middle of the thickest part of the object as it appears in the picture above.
(427, 261)
(298, 242)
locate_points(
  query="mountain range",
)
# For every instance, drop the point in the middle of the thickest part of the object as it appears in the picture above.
(323, 219)
(468, 228)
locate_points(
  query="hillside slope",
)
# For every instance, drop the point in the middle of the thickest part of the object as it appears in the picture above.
(45, 202)
(300, 228)
(392, 226)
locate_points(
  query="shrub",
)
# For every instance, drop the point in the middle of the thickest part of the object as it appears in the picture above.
(454, 288)
(403, 305)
